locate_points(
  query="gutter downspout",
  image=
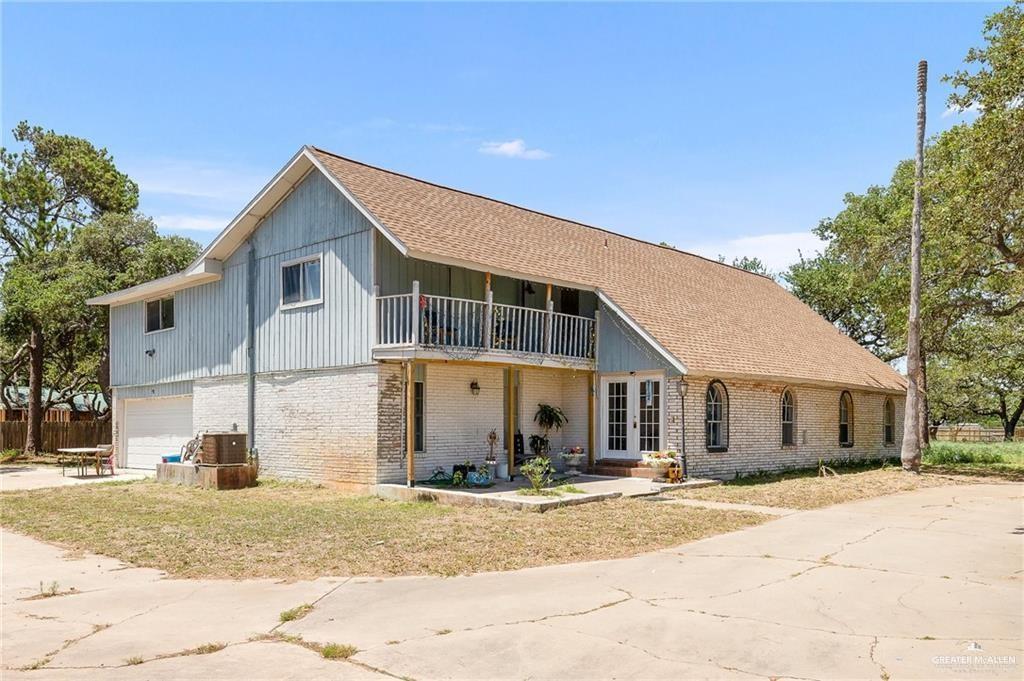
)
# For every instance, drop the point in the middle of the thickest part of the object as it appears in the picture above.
(250, 351)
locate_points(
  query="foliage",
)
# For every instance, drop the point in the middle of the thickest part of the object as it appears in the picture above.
(539, 444)
(973, 249)
(750, 264)
(55, 183)
(548, 417)
(538, 471)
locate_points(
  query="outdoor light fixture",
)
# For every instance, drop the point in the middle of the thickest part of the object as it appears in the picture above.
(150, 352)
(474, 388)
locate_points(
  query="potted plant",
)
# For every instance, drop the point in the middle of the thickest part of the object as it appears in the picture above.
(547, 417)
(660, 461)
(571, 457)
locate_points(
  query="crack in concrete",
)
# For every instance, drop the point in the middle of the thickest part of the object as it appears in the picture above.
(828, 557)
(883, 673)
(312, 606)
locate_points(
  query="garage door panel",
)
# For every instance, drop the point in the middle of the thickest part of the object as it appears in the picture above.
(155, 428)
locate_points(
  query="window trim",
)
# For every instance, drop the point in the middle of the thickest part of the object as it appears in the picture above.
(850, 416)
(145, 314)
(888, 405)
(724, 394)
(782, 421)
(299, 261)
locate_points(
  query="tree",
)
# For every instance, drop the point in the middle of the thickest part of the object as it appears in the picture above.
(910, 453)
(47, 190)
(749, 264)
(122, 250)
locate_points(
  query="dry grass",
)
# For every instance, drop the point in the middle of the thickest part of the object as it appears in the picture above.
(296, 531)
(804, 489)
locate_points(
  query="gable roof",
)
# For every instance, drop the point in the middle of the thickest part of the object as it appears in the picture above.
(712, 318)
(716, 319)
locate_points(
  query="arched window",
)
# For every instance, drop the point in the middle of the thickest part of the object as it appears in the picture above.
(788, 418)
(717, 417)
(889, 422)
(845, 420)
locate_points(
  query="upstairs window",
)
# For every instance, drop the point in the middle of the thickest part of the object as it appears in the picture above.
(717, 418)
(788, 419)
(300, 281)
(159, 314)
(889, 422)
(845, 420)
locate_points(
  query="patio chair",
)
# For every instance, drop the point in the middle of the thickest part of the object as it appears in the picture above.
(438, 330)
(107, 460)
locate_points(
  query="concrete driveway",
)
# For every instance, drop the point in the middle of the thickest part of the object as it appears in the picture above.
(15, 477)
(926, 584)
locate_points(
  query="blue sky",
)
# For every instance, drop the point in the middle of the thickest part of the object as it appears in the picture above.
(727, 129)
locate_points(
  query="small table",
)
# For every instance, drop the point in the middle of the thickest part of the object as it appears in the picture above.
(83, 453)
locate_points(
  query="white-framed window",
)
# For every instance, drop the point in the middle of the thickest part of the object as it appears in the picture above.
(160, 314)
(301, 281)
(845, 420)
(788, 418)
(716, 423)
(889, 422)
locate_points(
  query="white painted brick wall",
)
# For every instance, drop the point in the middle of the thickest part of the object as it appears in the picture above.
(315, 425)
(755, 428)
(559, 388)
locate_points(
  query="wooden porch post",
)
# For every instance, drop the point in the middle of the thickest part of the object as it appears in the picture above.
(489, 312)
(510, 423)
(410, 424)
(591, 396)
(549, 307)
(414, 314)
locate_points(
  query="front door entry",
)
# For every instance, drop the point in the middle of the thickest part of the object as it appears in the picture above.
(632, 415)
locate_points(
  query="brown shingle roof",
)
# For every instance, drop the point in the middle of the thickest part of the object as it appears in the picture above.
(717, 319)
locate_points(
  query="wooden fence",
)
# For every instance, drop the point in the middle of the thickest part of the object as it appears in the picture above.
(56, 435)
(954, 434)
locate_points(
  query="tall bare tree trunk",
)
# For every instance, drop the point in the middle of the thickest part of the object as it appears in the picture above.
(34, 437)
(924, 435)
(910, 454)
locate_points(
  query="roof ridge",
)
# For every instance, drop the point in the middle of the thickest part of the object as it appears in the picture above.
(537, 212)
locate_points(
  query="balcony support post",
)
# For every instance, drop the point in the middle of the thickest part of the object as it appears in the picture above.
(549, 318)
(414, 314)
(488, 330)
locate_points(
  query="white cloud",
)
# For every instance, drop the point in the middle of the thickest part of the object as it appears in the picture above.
(196, 180)
(513, 149)
(974, 108)
(776, 251)
(195, 223)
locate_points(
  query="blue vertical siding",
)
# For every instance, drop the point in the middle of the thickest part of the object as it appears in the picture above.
(622, 349)
(208, 338)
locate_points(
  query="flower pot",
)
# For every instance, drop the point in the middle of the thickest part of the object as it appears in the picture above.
(501, 470)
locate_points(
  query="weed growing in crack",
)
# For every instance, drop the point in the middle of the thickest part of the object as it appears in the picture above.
(133, 660)
(296, 613)
(335, 651)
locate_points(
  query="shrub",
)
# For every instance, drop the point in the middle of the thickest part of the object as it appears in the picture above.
(538, 471)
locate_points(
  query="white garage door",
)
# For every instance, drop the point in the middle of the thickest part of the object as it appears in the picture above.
(156, 428)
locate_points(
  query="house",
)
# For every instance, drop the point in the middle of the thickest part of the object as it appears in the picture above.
(80, 407)
(345, 298)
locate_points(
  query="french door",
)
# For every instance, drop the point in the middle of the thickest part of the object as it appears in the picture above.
(632, 415)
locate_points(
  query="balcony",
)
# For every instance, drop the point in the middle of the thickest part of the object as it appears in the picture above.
(411, 325)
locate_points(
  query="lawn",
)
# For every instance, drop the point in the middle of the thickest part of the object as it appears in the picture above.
(297, 531)
(1001, 459)
(805, 489)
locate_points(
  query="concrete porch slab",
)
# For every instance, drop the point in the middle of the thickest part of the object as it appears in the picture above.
(506, 494)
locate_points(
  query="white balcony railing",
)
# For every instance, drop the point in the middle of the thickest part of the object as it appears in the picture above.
(429, 321)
